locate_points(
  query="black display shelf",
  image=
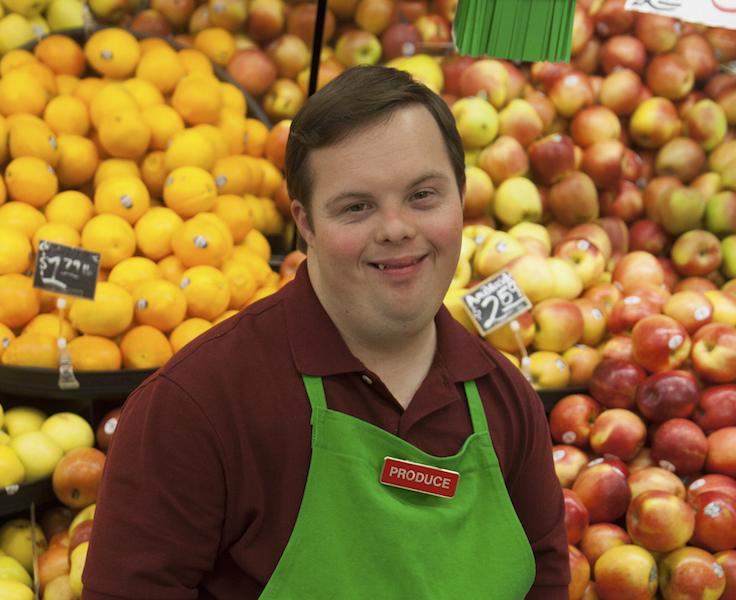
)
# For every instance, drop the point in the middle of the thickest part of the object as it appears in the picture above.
(17, 499)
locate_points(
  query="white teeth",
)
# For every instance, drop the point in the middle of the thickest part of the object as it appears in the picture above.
(382, 267)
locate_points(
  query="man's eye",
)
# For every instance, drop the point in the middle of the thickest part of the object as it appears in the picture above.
(423, 194)
(356, 207)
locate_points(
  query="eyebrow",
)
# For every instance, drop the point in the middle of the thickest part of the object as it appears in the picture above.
(357, 195)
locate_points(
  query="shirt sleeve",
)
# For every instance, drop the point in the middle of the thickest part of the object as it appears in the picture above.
(159, 515)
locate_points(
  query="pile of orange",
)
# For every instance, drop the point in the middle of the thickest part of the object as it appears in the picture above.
(153, 163)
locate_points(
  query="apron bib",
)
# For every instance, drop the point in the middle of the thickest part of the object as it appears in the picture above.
(356, 538)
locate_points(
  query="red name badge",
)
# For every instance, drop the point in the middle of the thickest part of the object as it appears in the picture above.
(419, 478)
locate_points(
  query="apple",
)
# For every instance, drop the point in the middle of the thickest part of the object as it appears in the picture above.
(598, 538)
(668, 394)
(714, 352)
(568, 460)
(724, 304)
(727, 560)
(300, 20)
(447, 8)
(358, 47)
(637, 267)
(660, 343)
(410, 10)
(486, 77)
(611, 17)
(614, 383)
(582, 360)
(696, 284)
(706, 124)
(627, 312)
(603, 161)
(253, 70)
(719, 83)
(594, 124)
(669, 76)
(656, 478)
(559, 324)
(722, 155)
(576, 516)
(682, 158)
(151, 21)
(680, 446)
(595, 233)
(520, 120)
(543, 105)
(504, 338)
(722, 452)
(691, 308)
(543, 74)
(712, 481)
(579, 573)
(405, 39)
(691, 572)
(623, 52)
(626, 572)
(571, 93)
(720, 213)
(552, 158)
(266, 20)
(52, 562)
(503, 159)
(624, 201)
(548, 370)
(653, 190)
(654, 122)
(583, 29)
(618, 432)
(618, 233)
(617, 347)
(716, 408)
(660, 521)
(604, 490)
(595, 320)
(536, 231)
(176, 12)
(697, 52)
(81, 534)
(696, 253)
(620, 91)
(516, 200)
(726, 101)
(56, 520)
(76, 478)
(534, 277)
(574, 199)
(648, 235)
(496, 251)
(680, 209)
(658, 32)
(715, 521)
(587, 260)
(289, 53)
(588, 59)
(436, 32)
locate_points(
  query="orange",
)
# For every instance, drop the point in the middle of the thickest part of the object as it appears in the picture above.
(32, 136)
(258, 242)
(186, 331)
(15, 58)
(6, 336)
(32, 180)
(108, 315)
(66, 84)
(258, 211)
(78, 160)
(205, 239)
(133, 271)
(123, 195)
(110, 235)
(88, 87)
(154, 172)
(162, 67)
(164, 122)
(207, 291)
(275, 146)
(145, 93)
(153, 232)
(112, 97)
(70, 207)
(22, 217)
(67, 114)
(42, 73)
(226, 315)
(260, 268)
(273, 218)
(149, 43)
(32, 350)
(51, 324)
(242, 282)
(3, 192)
(189, 148)
(21, 92)
(233, 174)
(159, 303)
(125, 133)
(216, 136)
(195, 61)
(271, 179)
(115, 166)
(172, 268)
(61, 53)
(233, 98)
(233, 126)
(19, 300)
(254, 141)
(236, 213)
(145, 347)
(95, 353)
(198, 99)
(217, 43)
(58, 233)
(113, 52)
(190, 190)
(16, 251)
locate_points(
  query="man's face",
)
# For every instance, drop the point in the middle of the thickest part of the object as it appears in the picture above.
(386, 225)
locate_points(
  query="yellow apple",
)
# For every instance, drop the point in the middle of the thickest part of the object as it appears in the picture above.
(454, 303)
(10, 568)
(568, 284)
(517, 199)
(15, 541)
(12, 470)
(496, 251)
(22, 419)
(12, 590)
(77, 559)
(533, 230)
(69, 430)
(38, 452)
(548, 370)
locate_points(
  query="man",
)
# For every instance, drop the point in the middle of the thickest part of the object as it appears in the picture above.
(332, 440)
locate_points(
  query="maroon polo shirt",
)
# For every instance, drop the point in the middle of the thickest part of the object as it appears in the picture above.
(207, 467)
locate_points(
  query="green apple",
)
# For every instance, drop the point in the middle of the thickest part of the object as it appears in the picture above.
(39, 453)
(65, 14)
(728, 250)
(681, 209)
(69, 430)
(720, 213)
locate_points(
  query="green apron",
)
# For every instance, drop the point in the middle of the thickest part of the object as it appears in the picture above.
(358, 539)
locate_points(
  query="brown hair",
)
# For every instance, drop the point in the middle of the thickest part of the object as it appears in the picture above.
(356, 99)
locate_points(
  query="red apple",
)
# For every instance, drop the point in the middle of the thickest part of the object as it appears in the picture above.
(452, 65)
(618, 432)
(576, 516)
(503, 159)
(696, 253)
(301, 18)
(603, 161)
(627, 312)
(151, 21)
(559, 324)
(716, 408)
(668, 394)
(669, 76)
(595, 320)
(544, 73)
(659, 521)
(582, 30)
(656, 478)
(637, 267)
(265, 20)
(81, 533)
(253, 70)
(604, 490)
(715, 521)
(571, 418)
(614, 383)
(699, 54)
(680, 446)
(660, 343)
(574, 199)
(617, 347)
(571, 93)
(623, 52)
(691, 572)
(579, 573)
(712, 481)
(568, 461)
(696, 284)
(582, 360)
(587, 260)
(618, 233)
(658, 32)
(598, 538)
(53, 562)
(727, 560)
(722, 452)
(611, 17)
(714, 352)
(552, 158)
(691, 308)
(625, 573)
(486, 77)
(624, 201)
(620, 91)
(648, 235)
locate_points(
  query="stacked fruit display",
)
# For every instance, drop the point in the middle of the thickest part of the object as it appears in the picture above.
(158, 169)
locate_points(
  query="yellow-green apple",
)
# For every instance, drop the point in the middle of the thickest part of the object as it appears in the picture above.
(454, 303)
(504, 337)
(697, 284)
(574, 199)
(706, 124)
(720, 213)
(358, 47)
(724, 306)
(585, 258)
(623, 52)
(658, 32)
(495, 252)
(691, 308)
(626, 572)
(436, 32)
(668, 394)
(595, 320)
(618, 233)
(625, 201)
(476, 120)
(373, 15)
(487, 77)
(559, 324)
(659, 521)
(604, 490)
(660, 343)
(669, 76)
(712, 481)
(543, 105)
(722, 452)
(616, 347)
(567, 282)
(696, 253)
(637, 267)
(521, 121)
(716, 408)
(552, 158)
(727, 560)
(516, 200)
(655, 187)
(582, 360)
(579, 573)
(654, 122)
(571, 93)
(682, 158)
(548, 370)
(594, 124)
(618, 432)
(253, 70)
(680, 446)
(648, 235)
(690, 572)
(568, 460)
(504, 158)
(614, 383)
(656, 478)
(479, 192)
(611, 17)
(715, 521)
(598, 538)
(576, 516)
(728, 266)
(699, 54)
(627, 312)
(283, 100)
(534, 277)
(570, 419)
(714, 352)
(620, 91)
(532, 230)
(289, 53)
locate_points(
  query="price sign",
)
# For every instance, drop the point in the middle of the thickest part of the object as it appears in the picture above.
(495, 301)
(715, 13)
(67, 270)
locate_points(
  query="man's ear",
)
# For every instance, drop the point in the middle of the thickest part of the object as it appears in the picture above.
(302, 222)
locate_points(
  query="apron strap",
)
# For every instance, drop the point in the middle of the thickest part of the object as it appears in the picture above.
(477, 412)
(315, 391)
